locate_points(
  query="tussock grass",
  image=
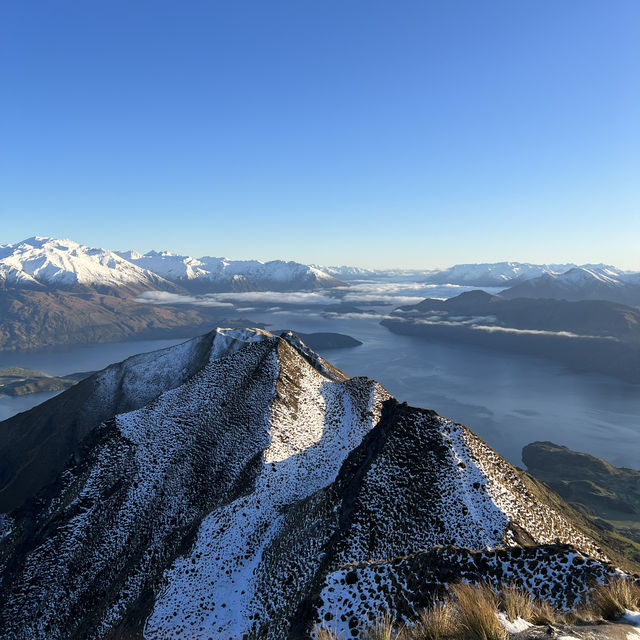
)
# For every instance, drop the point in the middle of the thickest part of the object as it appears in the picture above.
(436, 622)
(475, 607)
(543, 612)
(322, 633)
(382, 629)
(516, 602)
(609, 600)
(470, 611)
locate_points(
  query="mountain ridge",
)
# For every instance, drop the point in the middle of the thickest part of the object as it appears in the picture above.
(230, 499)
(44, 263)
(581, 283)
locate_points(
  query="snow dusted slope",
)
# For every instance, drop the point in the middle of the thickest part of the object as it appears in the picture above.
(209, 274)
(49, 263)
(253, 498)
(37, 444)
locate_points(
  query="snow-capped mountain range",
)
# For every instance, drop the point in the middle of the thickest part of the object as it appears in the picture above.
(347, 273)
(542, 280)
(45, 263)
(40, 263)
(209, 274)
(238, 485)
(499, 274)
(597, 282)
(493, 274)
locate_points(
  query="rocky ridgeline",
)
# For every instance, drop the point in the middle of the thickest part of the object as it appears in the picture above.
(241, 485)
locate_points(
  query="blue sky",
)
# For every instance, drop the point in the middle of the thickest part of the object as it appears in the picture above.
(405, 133)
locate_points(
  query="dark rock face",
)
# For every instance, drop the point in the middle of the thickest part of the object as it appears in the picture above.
(240, 484)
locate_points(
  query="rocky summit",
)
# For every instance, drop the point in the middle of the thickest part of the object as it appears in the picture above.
(258, 491)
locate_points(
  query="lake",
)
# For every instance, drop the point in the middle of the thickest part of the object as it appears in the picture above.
(508, 400)
(72, 360)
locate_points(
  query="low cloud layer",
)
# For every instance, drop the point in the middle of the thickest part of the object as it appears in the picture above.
(234, 298)
(539, 332)
(469, 323)
(373, 298)
(365, 293)
(164, 297)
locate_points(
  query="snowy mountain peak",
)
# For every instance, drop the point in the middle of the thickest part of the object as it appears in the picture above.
(238, 485)
(588, 282)
(580, 275)
(50, 262)
(44, 263)
(209, 274)
(494, 274)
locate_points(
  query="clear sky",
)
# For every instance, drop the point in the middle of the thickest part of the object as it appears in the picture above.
(400, 133)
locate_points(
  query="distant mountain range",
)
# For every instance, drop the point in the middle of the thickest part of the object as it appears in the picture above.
(58, 292)
(347, 273)
(46, 264)
(208, 275)
(495, 274)
(239, 485)
(519, 279)
(484, 274)
(581, 283)
(590, 335)
(40, 263)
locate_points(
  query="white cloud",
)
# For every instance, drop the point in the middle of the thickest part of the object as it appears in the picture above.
(164, 297)
(243, 297)
(369, 293)
(372, 298)
(275, 297)
(496, 329)
(539, 332)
